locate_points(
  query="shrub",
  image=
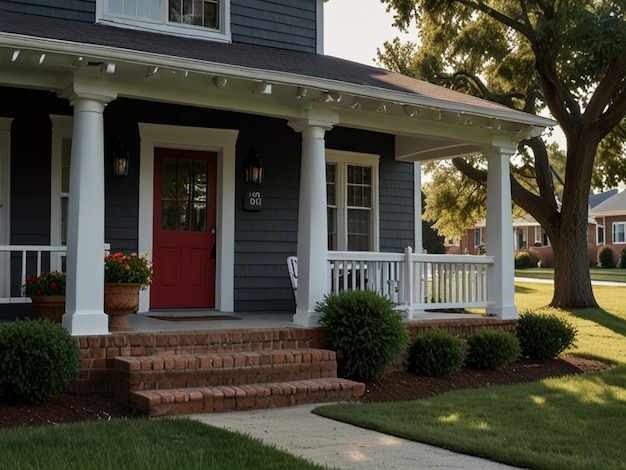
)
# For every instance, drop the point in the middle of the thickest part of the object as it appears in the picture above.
(492, 349)
(544, 336)
(436, 352)
(606, 258)
(366, 332)
(37, 360)
(523, 260)
(622, 259)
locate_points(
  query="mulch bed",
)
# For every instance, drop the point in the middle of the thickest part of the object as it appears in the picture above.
(399, 385)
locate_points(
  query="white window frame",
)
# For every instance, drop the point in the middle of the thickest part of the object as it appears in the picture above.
(600, 228)
(342, 159)
(478, 236)
(623, 232)
(5, 205)
(162, 25)
(61, 130)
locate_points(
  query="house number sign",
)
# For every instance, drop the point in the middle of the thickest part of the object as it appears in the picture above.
(252, 200)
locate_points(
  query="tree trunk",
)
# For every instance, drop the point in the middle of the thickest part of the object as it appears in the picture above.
(572, 281)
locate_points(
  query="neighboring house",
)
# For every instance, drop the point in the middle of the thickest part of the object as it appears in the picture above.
(528, 235)
(610, 218)
(194, 96)
(526, 232)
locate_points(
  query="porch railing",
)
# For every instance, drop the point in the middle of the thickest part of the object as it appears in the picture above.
(19, 262)
(414, 281)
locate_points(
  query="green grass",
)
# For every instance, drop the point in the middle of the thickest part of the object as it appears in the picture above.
(597, 274)
(564, 423)
(138, 444)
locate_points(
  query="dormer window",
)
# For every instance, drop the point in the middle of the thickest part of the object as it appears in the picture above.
(203, 13)
(208, 19)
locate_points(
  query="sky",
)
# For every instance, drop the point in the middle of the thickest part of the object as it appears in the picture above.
(354, 29)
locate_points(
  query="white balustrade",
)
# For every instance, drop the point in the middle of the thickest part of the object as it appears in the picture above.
(25, 261)
(414, 281)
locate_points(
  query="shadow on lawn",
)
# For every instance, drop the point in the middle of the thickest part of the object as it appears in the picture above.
(602, 318)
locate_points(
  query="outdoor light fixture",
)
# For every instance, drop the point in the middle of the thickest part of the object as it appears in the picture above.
(120, 159)
(253, 167)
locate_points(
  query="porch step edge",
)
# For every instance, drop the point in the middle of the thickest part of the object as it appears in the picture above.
(245, 397)
(221, 360)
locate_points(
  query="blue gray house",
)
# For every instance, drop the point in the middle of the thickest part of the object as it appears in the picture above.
(246, 145)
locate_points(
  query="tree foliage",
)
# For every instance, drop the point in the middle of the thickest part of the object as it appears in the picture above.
(568, 57)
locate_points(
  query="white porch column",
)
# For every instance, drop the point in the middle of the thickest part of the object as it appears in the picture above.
(312, 224)
(417, 197)
(84, 314)
(499, 239)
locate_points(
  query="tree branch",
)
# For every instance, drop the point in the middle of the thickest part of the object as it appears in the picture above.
(596, 111)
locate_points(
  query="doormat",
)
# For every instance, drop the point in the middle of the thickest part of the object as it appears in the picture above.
(194, 318)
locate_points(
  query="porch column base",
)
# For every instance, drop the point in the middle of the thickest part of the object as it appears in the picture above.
(507, 312)
(305, 318)
(86, 323)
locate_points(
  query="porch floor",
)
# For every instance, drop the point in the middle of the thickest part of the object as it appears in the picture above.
(180, 320)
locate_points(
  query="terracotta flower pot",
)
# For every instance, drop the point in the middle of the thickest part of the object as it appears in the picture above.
(51, 307)
(120, 300)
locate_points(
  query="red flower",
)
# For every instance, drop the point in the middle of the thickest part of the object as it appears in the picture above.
(53, 285)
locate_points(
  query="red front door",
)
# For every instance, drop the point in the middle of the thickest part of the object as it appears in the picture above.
(184, 229)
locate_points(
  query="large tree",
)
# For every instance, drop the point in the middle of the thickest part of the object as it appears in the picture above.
(568, 56)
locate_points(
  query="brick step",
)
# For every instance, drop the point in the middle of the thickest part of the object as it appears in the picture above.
(213, 369)
(244, 397)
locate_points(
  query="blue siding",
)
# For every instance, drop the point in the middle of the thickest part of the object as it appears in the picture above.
(81, 10)
(288, 24)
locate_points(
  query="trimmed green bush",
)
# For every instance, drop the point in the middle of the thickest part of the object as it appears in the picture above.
(38, 359)
(492, 349)
(523, 260)
(622, 259)
(544, 336)
(606, 258)
(365, 330)
(436, 352)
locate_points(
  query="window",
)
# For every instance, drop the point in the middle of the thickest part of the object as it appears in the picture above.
(478, 236)
(600, 234)
(619, 232)
(352, 201)
(208, 19)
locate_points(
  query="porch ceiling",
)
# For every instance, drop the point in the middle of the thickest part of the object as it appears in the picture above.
(429, 122)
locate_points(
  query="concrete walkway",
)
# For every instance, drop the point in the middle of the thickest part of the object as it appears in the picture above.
(338, 445)
(551, 281)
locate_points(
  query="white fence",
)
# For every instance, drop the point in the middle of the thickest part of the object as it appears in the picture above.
(414, 281)
(28, 260)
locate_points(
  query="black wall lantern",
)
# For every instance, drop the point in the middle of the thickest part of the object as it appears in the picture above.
(254, 168)
(120, 159)
(252, 199)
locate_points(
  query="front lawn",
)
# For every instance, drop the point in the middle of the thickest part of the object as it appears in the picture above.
(565, 423)
(138, 444)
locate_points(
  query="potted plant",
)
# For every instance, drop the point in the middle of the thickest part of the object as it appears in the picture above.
(47, 294)
(124, 276)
